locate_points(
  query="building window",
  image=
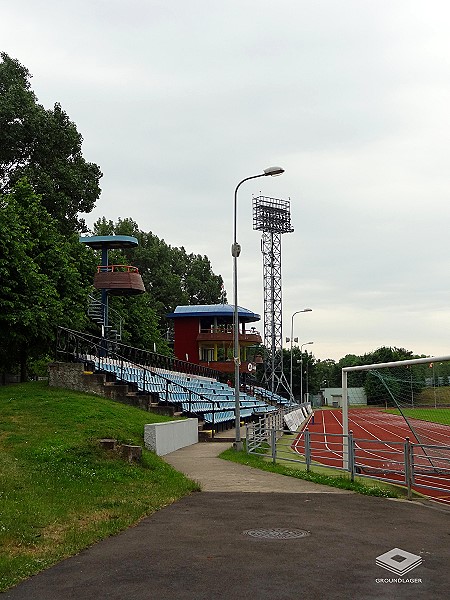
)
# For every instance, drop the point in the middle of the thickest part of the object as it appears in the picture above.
(207, 354)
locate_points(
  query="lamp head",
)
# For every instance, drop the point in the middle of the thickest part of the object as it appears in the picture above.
(273, 171)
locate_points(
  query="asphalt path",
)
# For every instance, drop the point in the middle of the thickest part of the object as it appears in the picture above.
(262, 545)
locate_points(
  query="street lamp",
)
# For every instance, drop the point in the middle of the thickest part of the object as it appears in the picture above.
(235, 251)
(301, 369)
(292, 339)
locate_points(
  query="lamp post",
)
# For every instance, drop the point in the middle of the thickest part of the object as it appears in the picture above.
(292, 339)
(301, 369)
(235, 251)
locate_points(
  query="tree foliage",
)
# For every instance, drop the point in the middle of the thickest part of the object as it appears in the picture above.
(318, 374)
(171, 276)
(46, 274)
(42, 283)
(44, 147)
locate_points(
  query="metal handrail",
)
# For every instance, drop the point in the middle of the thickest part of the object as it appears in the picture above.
(117, 268)
(87, 347)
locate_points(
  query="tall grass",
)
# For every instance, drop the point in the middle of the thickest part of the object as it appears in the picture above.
(59, 491)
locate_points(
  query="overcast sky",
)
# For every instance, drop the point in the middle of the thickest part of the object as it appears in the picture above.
(178, 100)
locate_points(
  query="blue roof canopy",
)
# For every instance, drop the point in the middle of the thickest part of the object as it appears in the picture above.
(214, 310)
(109, 241)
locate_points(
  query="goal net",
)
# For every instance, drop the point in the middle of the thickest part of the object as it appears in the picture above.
(414, 392)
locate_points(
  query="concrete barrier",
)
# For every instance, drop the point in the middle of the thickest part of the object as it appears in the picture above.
(164, 438)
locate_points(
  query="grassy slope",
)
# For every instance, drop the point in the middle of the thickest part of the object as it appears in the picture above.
(59, 492)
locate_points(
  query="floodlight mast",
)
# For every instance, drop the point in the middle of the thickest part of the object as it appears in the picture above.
(273, 218)
(235, 252)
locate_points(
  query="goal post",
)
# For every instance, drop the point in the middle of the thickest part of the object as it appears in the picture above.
(394, 398)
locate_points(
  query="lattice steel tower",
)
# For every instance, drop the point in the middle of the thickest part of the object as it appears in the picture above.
(273, 218)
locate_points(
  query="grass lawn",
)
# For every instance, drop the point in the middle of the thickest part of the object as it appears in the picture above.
(317, 474)
(434, 415)
(59, 491)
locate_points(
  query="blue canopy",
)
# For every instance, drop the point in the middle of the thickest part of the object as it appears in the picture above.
(214, 310)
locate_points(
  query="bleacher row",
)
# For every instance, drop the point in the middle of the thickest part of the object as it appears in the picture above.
(271, 397)
(213, 402)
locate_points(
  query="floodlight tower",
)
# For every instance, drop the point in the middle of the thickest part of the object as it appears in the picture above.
(273, 218)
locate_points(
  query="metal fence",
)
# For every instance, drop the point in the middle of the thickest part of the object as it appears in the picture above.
(74, 345)
(419, 467)
(152, 375)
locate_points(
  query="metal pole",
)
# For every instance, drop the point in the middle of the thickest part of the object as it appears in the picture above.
(290, 378)
(292, 336)
(301, 369)
(235, 251)
(344, 421)
(273, 442)
(307, 449)
(407, 454)
(301, 375)
(351, 446)
(307, 373)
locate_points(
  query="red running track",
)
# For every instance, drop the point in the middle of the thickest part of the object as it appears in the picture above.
(379, 447)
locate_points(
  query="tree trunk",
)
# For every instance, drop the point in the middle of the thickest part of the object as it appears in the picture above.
(23, 363)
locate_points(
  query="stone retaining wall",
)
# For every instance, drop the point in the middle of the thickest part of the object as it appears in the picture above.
(72, 376)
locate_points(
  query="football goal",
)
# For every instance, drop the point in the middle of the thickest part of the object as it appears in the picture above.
(416, 390)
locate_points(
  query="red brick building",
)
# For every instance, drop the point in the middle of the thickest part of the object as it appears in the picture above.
(204, 336)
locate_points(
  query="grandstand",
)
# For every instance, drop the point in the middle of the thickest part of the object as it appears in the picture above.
(178, 385)
(211, 401)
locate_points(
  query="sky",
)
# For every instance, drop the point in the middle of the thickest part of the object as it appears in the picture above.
(179, 100)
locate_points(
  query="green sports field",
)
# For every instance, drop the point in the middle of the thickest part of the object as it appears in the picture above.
(433, 415)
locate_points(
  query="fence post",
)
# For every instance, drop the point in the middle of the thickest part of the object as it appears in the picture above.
(273, 442)
(307, 449)
(351, 455)
(408, 467)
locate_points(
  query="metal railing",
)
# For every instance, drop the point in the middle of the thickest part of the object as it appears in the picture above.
(259, 434)
(417, 467)
(72, 345)
(149, 372)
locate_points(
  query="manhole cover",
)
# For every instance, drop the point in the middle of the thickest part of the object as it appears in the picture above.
(276, 534)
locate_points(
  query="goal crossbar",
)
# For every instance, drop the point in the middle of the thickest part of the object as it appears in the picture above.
(398, 363)
(346, 370)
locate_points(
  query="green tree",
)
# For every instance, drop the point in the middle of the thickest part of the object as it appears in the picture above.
(42, 286)
(171, 276)
(398, 379)
(140, 323)
(45, 147)
(326, 374)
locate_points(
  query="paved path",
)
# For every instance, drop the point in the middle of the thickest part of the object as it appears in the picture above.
(203, 547)
(200, 462)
